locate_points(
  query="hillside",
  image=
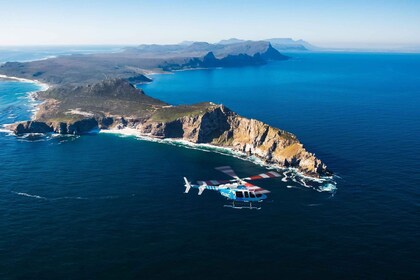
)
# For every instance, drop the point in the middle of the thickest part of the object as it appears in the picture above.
(135, 63)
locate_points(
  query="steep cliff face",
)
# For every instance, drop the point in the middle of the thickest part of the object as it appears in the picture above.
(217, 125)
(70, 127)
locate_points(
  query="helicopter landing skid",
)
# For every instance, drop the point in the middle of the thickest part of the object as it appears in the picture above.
(250, 207)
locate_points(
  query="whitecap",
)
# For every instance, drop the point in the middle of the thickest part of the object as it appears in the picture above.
(3, 130)
(30, 96)
(30, 195)
(329, 187)
(70, 197)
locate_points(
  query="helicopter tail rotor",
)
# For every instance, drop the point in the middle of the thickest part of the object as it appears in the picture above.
(187, 185)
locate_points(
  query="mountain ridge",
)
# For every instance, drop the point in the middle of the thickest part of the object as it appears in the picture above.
(136, 63)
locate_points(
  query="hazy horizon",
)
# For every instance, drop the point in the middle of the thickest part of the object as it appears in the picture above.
(327, 24)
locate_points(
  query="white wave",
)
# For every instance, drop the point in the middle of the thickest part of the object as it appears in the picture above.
(174, 141)
(42, 85)
(33, 137)
(28, 135)
(70, 197)
(7, 131)
(31, 96)
(284, 179)
(329, 187)
(30, 195)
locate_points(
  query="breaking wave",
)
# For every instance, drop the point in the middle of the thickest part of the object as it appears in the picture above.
(30, 195)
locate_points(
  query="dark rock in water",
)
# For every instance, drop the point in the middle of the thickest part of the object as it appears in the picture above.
(78, 127)
(30, 127)
(106, 122)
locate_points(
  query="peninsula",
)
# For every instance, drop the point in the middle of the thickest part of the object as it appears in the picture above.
(97, 92)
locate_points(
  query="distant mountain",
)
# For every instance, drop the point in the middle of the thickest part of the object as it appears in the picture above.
(281, 44)
(231, 41)
(134, 62)
(285, 44)
(204, 55)
(186, 43)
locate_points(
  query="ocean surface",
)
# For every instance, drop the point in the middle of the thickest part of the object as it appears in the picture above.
(108, 206)
(30, 53)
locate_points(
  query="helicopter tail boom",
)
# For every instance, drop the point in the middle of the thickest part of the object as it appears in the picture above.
(201, 189)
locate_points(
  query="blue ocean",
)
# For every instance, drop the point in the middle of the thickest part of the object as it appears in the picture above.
(105, 206)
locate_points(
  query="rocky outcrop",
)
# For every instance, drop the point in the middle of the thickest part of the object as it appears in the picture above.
(78, 127)
(221, 127)
(30, 127)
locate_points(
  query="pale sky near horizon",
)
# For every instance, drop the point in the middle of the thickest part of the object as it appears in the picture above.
(326, 23)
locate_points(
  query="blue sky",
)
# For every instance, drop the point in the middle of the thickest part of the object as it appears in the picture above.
(370, 23)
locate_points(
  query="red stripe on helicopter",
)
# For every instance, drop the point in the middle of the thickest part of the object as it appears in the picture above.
(255, 189)
(271, 174)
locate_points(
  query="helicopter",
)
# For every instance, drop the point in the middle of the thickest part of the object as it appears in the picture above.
(237, 189)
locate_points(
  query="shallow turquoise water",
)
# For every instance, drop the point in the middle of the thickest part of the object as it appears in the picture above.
(105, 206)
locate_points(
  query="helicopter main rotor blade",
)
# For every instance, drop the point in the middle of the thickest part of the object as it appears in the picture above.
(227, 170)
(270, 174)
(213, 182)
(255, 189)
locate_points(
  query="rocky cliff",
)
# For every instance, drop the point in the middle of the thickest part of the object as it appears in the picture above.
(76, 111)
(219, 126)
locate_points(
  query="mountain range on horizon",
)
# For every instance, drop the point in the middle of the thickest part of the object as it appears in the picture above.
(281, 44)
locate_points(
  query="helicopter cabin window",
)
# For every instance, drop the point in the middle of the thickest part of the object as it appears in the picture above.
(252, 195)
(246, 194)
(239, 194)
(258, 195)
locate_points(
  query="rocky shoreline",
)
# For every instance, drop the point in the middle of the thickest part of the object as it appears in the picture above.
(204, 123)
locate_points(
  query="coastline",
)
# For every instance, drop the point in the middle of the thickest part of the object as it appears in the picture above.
(31, 94)
(43, 86)
(326, 184)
